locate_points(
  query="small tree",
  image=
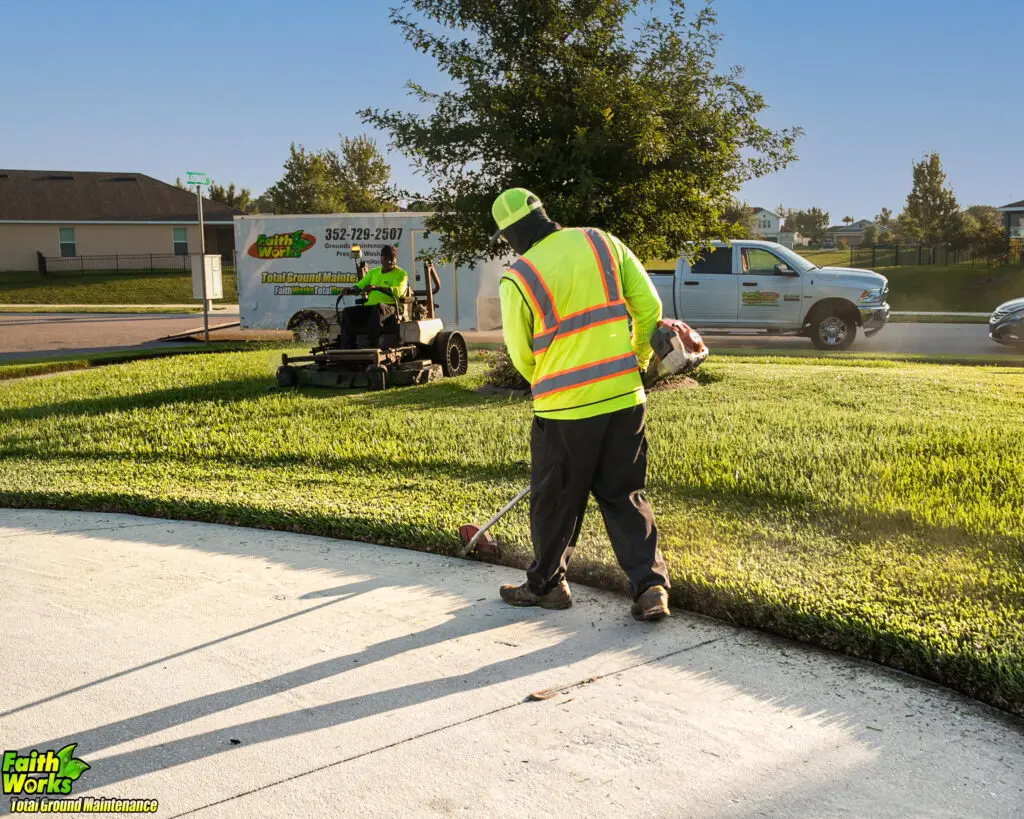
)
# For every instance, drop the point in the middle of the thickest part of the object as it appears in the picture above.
(309, 185)
(842, 245)
(364, 176)
(241, 199)
(884, 219)
(931, 210)
(870, 235)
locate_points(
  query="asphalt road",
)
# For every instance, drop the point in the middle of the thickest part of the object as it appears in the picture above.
(228, 672)
(24, 335)
(32, 335)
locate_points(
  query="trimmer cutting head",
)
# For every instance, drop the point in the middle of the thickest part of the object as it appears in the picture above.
(485, 545)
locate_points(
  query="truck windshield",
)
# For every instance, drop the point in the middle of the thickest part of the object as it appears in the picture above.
(795, 260)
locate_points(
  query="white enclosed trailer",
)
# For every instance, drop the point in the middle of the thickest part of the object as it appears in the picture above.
(291, 269)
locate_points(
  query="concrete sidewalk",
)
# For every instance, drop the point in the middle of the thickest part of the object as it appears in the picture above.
(232, 672)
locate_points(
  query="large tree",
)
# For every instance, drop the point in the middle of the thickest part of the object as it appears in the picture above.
(930, 215)
(641, 135)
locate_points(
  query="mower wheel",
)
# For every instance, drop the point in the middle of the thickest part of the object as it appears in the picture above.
(286, 376)
(378, 377)
(450, 352)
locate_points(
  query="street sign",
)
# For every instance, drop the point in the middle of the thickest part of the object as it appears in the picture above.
(197, 178)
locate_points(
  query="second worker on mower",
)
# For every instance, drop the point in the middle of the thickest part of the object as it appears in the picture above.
(384, 287)
(566, 303)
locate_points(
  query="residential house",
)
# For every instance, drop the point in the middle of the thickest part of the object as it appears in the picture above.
(767, 223)
(852, 234)
(85, 213)
(1013, 219)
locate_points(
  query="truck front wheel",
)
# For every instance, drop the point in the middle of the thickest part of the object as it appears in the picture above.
(833, 328)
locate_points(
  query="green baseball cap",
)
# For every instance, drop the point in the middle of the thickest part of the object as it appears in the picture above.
(513, 205)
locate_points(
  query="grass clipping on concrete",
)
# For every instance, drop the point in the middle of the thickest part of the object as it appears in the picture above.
(872, 507)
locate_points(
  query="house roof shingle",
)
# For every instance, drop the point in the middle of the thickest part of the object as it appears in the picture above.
(1019, 205)
(89, 196)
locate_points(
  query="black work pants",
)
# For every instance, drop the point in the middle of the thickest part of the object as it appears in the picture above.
(368, 319)
(605, 456)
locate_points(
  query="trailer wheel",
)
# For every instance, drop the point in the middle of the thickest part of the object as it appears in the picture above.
(309, 328)
(378, 378)
(451, 353)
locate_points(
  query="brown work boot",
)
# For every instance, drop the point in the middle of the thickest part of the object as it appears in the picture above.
(557, 598)
(651, 605)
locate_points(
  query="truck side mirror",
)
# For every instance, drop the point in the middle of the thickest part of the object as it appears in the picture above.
(784, 269)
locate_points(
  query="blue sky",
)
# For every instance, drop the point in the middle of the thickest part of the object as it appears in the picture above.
(224, 86)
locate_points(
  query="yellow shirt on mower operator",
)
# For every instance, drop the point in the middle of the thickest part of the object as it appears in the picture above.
(395, 281)
(566, 305)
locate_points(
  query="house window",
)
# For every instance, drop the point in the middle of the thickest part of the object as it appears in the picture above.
(180, 241)
(66, 237)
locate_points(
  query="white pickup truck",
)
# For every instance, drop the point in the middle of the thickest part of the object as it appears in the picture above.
(754, 285)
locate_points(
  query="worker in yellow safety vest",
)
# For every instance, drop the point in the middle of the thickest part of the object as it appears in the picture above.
(566, 304)
(384, 287)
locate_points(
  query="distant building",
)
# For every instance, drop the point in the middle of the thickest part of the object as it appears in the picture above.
(1013, 219)
(85, 213)
(853, 234)
(767, 223)
(791, 238)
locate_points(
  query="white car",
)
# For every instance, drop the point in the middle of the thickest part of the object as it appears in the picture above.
(755, 285)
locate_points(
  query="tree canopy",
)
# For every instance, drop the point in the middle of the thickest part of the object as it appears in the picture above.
(641, 135)
(355, 179)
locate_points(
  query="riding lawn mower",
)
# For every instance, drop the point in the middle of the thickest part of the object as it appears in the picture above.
(414, 347)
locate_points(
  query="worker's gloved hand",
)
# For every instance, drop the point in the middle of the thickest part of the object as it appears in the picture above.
(650, 375)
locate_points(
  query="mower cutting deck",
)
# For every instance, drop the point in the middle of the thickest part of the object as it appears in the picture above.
(416, 349)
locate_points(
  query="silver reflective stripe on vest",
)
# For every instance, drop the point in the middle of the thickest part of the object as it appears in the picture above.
(577, 322)
(620, 365)
(529, 277)
(604, 261)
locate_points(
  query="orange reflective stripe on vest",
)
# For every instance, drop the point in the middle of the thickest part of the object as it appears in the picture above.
(606, 264)
(538, 292)
(586, 374)
(578, 322)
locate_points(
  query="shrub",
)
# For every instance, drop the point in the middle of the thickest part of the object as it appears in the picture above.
(502, 373)
(842, 245)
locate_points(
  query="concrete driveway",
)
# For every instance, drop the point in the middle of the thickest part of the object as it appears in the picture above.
(230, 672)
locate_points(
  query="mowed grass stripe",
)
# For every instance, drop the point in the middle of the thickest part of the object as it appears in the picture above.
(869, 506)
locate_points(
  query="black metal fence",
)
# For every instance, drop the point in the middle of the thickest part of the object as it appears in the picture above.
(893, 255)
(117, 263)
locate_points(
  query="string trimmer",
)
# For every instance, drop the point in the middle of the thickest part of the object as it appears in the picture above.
(476, 536)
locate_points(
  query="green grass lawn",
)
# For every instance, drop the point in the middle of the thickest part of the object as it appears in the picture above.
(104, 288)
(875, 507)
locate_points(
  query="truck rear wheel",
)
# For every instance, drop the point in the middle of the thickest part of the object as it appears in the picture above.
(833, 329)
(450, 351)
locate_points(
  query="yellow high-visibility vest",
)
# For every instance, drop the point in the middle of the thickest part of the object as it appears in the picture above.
(581, 338)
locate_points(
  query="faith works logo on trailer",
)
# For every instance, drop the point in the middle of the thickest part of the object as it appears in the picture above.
(282, 245)
(32, 780)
